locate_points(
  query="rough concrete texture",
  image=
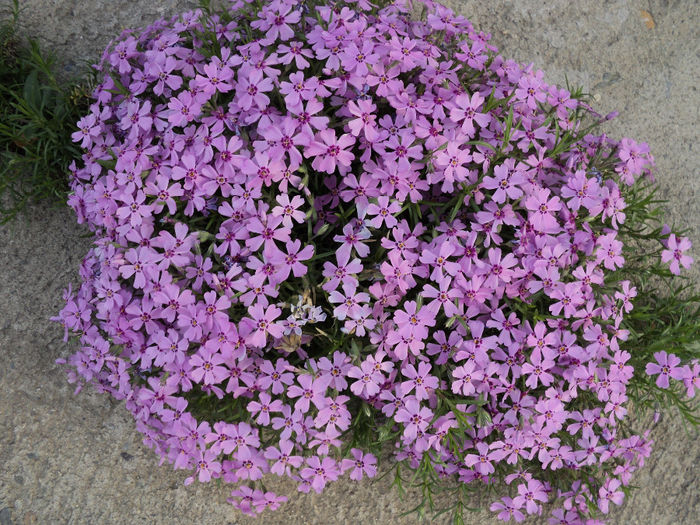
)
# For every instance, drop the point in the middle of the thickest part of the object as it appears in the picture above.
(78, 460)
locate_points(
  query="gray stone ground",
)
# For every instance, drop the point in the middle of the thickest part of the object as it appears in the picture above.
(78, 460)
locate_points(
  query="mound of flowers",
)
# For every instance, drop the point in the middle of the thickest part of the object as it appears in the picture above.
(329, 233)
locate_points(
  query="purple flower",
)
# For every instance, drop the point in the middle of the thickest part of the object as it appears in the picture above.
(283, 458)
(207, 367)
(206, 466)
(368, 380)
(342, 273)
(415, 418)
(339, 161)
(310, 390)
(609, 493)
(330, 151)
(542, 211)
(465, 112)
(261, 323)
(674, 253)
(384, 212)
(420, 380)
(363, 464)
(466, 379)
(264, 407)
(320, 471)
(507, 510)
(529, 495)
(481, 461)
(667, 367)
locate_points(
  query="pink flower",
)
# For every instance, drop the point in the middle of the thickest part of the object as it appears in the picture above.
(275, 19)
(452, 161)
(674, 253)
(465, 112)
(384, 212)
(542, 210)
(206, 367)
(283, 458)
(667, 367)
(609, 252)
(288, 210)
(609, 493)
(508, 510)
(343, 273)
(537, 369)
(87, 131)
(261, 323)
(481, 461)
(529, 494)
(206, 466)
(320, 471)
(330, 151)
(264, 407)
(251, 91)
(414, 417)
(364, 464)
(311, 390)
(467, 378)
(506, 183)
(368, 380)
(365, 121)
(352, 239)
(419, 379)
(413, 320)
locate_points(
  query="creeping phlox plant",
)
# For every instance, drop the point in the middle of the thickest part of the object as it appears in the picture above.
(328, 232)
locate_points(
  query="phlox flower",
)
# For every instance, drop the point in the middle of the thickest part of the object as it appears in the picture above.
(295, 51)
(452, 161)
(537, 369)
(283, 458)
(368, 380)
(507, 510)
(466, 378)
(206, 466)
(465, 112)
(261, 323)
(383, 212)
(251, 90)
(352, 238)
(264, 407)
(414, 417)
(666, 366)
(343, 273)
(310, 390)
(320, 471)
(275, 20)
(609, 252)
(610, 493)
(330, 151)
(542, 210)
(529, 495)
(365, 120)
(443, 298)
(481, 462)
(420, 380)
(363, 464)
(674, 253)
(307, 211)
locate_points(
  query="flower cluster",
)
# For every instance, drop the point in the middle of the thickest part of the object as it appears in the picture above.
(321, 227)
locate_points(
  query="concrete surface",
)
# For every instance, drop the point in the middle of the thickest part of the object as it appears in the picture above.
(78, 460)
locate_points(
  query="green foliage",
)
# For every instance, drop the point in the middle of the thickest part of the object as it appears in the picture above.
(666, 314)
(38, 113)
